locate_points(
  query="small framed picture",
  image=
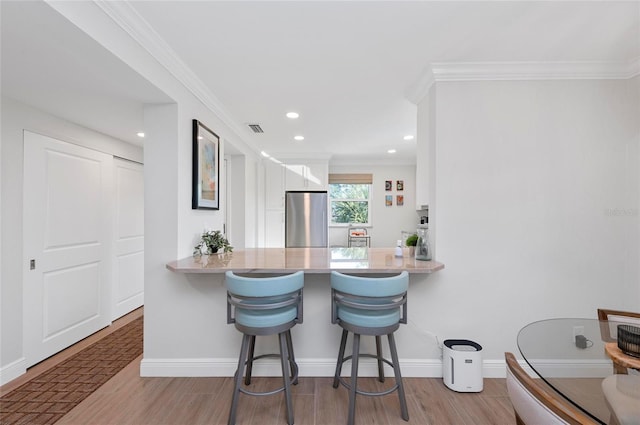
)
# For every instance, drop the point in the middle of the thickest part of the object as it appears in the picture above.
(388, 185)
(388, 200)
(206, 168)
(400, 185)
(400, 200)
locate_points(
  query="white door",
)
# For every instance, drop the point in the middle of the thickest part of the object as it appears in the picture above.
(128, 247)
(67, 228)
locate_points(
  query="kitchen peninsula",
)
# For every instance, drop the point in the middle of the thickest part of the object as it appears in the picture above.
(207, 346)
(309, 260)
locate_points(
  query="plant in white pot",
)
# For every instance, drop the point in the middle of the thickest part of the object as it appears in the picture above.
(211, 242)
(411, 242)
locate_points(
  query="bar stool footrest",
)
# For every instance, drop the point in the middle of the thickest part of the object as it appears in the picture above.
(293, 380)
(368, 393)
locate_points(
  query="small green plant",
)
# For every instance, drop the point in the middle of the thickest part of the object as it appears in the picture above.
(412, 240)
(211, 242)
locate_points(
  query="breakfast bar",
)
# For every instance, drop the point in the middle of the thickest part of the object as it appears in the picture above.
(309, 260)
(210, 346)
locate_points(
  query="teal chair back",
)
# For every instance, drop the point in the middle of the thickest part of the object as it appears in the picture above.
(369, 302)
(264, 302)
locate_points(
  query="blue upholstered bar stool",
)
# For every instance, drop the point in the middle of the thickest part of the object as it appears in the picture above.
(369, 306)
(264, 306)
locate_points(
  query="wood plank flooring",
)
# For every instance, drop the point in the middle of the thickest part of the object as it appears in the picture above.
(128, 399)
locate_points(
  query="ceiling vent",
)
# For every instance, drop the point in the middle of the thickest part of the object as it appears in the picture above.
(256, 128)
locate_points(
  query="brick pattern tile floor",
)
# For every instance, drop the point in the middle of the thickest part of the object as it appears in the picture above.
(50, 395)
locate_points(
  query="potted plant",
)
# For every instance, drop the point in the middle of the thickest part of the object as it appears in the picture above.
(211, 242)
(411, 242)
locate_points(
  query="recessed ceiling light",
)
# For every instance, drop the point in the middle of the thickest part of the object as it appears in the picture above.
(391, 151)
(408, 137)
(292, 115)
(299, 137)
(140, 134)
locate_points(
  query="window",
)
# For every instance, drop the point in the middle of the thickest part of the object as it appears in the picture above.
(349, 203)
(349, 195)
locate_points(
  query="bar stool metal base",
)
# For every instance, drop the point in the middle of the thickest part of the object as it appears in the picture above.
(355, 357)
(246, 359)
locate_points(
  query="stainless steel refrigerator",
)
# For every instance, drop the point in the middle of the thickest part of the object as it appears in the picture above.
(306, 222)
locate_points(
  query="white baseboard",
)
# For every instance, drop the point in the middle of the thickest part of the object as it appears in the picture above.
(594, 368)
(13, 370)
(411, 368)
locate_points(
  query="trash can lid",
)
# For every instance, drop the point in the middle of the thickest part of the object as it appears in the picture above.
(462, 345)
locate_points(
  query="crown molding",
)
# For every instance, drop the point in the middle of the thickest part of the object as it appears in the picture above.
(339, 161)
(128, 18)
(520, 71)
(482, 71)
(298, 156)
(419, 90)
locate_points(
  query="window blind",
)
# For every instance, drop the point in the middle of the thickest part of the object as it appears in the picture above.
(350, 178)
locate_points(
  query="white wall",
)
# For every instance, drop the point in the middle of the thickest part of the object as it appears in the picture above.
(178, 314)
(17, 117)
(171, 225)
(527, 174)
(386, 222)
(634, 150)
(239, 235)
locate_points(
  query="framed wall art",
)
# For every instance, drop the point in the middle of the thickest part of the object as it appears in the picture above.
(206, 168)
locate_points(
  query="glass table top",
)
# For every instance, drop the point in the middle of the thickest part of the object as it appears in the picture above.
(574, 368)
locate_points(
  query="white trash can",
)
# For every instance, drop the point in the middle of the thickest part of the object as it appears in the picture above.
(462, 365)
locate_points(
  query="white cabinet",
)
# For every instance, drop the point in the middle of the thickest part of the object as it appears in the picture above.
(295, 177)
(317, 175)
(280, 177)
(274, 204)
(306, 176)
(274, 229)
(274, 185)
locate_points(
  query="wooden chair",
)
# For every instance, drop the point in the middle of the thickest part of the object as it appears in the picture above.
(609, 321)
(535, 403)
(609, 331)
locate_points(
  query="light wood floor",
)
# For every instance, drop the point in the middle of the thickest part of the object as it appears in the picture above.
(128, 399)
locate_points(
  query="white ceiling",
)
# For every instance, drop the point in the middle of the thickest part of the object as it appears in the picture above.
(346, 67)
(50, 64)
